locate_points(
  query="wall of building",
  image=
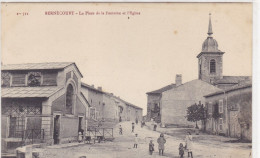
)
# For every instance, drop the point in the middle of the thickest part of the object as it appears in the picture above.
(175, 101)
(212, 125)
(95, 100)
(111, 111)
(238, 113)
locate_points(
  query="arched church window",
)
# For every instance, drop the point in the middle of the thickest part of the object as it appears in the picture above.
(212, 66)
(69, 99)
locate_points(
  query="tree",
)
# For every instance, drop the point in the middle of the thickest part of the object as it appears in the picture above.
(195, 113)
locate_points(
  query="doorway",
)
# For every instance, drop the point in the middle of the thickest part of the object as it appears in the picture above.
(56, 130)
(80, 125)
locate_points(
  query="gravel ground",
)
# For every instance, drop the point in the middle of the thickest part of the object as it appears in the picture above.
(204, 146)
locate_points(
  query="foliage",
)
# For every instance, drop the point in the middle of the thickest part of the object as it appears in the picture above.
(195, 112)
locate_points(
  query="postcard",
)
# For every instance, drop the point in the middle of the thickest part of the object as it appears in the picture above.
(133, 80)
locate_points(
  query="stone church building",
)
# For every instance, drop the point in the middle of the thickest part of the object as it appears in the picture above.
(168, 105)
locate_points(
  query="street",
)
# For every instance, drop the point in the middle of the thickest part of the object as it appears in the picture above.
(122, 146)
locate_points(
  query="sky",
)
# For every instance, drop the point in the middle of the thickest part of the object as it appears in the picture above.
(128, 55)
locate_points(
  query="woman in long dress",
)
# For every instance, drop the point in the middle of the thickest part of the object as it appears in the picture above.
(188, 141)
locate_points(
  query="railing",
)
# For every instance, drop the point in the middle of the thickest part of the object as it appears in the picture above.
(32, 136)
(100, 134)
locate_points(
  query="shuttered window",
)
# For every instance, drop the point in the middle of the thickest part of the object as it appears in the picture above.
(18, 79)
(49, 79)
(210, 108)
(220, 124)
(220, 107)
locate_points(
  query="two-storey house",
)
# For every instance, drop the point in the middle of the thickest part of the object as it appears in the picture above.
(42, 101)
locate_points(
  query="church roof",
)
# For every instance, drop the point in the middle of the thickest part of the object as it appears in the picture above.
(29, 92)
(159, 91)
(234, 88)
(39, 66)
(232, 79)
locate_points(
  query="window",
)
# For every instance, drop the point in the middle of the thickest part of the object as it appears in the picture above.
(49, 79)
(212, 66)
(220, 107)
(210, 108)
(5, 79)
(34, 79)
(69, 99)
(18, 79)
(220, 124)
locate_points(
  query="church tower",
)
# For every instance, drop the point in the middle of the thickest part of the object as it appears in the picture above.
(210, 60)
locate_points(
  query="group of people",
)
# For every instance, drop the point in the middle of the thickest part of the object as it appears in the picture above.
(161, 142)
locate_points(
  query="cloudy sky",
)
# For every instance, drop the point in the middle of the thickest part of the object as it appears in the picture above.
(125, 54)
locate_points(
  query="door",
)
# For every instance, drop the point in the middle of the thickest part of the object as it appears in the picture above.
(56, 130)
(80, 125)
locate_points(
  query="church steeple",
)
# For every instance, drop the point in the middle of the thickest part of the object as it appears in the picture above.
(210, 32)
(210, 58)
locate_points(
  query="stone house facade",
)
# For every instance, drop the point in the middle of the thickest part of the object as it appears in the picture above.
(174, 102)
(108, 107)
(43, 97)
(234, 106)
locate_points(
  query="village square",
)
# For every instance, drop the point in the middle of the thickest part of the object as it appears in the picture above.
(49, 111)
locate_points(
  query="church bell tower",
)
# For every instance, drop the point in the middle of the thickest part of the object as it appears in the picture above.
(210, 59)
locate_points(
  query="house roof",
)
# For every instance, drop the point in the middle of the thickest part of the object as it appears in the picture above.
(91, 87)
(29, 92)
(39, 66)
(232, 79)
(159, 91)
(130, 104)
(234, 88)
(83, 96)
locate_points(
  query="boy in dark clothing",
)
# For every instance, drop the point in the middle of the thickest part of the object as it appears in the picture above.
(133, 127)
(151, 147)
(120, 130)
(181, 150)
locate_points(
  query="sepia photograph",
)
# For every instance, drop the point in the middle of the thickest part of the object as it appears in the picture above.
(126, 80)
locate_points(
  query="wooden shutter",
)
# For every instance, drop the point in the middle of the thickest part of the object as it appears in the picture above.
(49, 79)
(18, 79)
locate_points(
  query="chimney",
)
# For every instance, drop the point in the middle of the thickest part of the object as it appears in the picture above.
(99, 88)
(92, 86)
(178, 80)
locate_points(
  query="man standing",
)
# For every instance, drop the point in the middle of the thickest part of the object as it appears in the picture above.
(133, 127)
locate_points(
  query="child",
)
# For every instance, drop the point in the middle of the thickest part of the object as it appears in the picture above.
(133, 127)
(151, 147)
(136, 141)
(120, 130)
(80, 137)
(181, 150)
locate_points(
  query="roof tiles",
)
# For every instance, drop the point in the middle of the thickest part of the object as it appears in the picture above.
(28, 92)
(36, 66)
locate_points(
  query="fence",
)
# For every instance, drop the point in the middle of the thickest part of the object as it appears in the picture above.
(100, 134)
(32, 136)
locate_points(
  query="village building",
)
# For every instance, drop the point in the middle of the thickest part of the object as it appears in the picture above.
(229, 112)
(168, 105)
(41, 101)
(128, 111)
(106, 108)
(95, 99)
